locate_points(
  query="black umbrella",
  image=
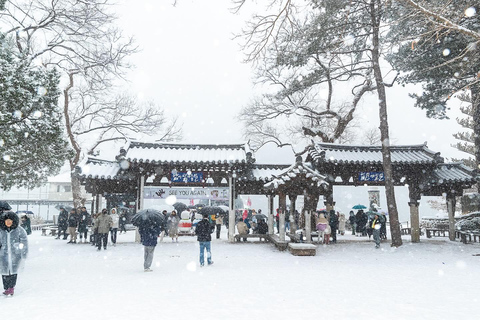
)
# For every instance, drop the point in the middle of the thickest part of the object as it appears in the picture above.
(211, 210)
(259, 216)
(180, 206)
(147, 218)
(4, 206)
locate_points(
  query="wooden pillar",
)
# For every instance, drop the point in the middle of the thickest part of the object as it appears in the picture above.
(231, 209)
(451, 202)
(308, 216)
(329, 203)
(293, 201)
(282, 204)
(140, 201)
(414, 221)
(97, 203)
(414, 194)
(270, 213)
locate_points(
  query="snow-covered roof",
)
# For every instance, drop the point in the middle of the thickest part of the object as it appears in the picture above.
(454, 172)
(187, 153)
(295, 170)
(267, 172)
(99, 169)
(334, 153)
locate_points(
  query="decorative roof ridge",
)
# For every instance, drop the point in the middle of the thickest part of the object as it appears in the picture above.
(270, 166)
(172, 145)
(326, 145)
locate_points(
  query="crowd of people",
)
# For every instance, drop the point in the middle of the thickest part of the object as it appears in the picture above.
(79, 222)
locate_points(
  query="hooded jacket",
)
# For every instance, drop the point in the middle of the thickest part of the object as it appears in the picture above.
(13, 244)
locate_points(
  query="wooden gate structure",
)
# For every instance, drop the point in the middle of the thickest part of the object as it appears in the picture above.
(313, 174)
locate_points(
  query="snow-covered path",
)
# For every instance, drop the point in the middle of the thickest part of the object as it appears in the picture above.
(435, 279)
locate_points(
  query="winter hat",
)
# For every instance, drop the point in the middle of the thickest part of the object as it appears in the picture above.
(9, 215)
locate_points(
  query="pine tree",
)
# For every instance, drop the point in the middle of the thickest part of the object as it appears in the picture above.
(32, 144)
(445, 60)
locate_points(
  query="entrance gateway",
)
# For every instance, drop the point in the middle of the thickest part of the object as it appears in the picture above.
(140, 166)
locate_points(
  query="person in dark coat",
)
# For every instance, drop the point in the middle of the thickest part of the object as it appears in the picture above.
(148, 237)
(83, 222)
(262, 227)
(364, 223)
(25, 223)
(62, 223)
(13, 250)
(333, 222)
(203, 231)
(359, 220)
(351, 219)
(123, 222)
(72, 225)
(383, 228)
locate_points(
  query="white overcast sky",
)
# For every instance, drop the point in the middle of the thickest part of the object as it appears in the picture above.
(190, 64)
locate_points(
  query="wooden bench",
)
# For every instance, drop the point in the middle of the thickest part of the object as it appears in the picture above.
(406, 231)
(302, 249)
(467, 236)
(251, 235)
(437, 233)
(281, 245)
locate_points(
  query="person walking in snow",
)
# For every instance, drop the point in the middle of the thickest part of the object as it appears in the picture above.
(103, 223)
(375, 225)
(114, 228)
(72, 225)
(333, 222)
(62, 223)
(25, 224)
(341, 224)
(83, 222)
(173, 222)
(13, 250)
(148, 237)
(122, 222)
(203, 232)
(351, 219)
(218, 225)
(323, 229)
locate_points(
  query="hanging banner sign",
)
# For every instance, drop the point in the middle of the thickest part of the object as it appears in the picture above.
(186, 177)
(371, 176)
(186, 193)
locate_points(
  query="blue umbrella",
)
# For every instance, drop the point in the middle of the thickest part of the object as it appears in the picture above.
(359, 207)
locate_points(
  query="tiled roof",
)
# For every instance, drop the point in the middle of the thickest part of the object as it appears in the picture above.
(187, 153)
(334, 153)
(99, 169)
(299, 168)
(454, 172)
(267, 172)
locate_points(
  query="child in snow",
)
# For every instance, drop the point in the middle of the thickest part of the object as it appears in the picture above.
(13, 250)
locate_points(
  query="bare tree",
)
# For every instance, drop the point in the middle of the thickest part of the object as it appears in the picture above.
(342, 29)
(81, 39)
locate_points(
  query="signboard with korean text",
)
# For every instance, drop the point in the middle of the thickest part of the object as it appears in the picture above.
(186, 177)
(371, 176)
(186, 193)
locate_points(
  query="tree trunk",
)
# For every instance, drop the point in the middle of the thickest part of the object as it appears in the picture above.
(382, 96)
(78, 199)
(475, 95)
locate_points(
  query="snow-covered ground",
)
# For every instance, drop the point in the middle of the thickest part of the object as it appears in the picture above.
(434, 279)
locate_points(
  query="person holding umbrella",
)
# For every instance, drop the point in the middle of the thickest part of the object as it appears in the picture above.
(149, 232)
(203, 231)
(13, 249)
